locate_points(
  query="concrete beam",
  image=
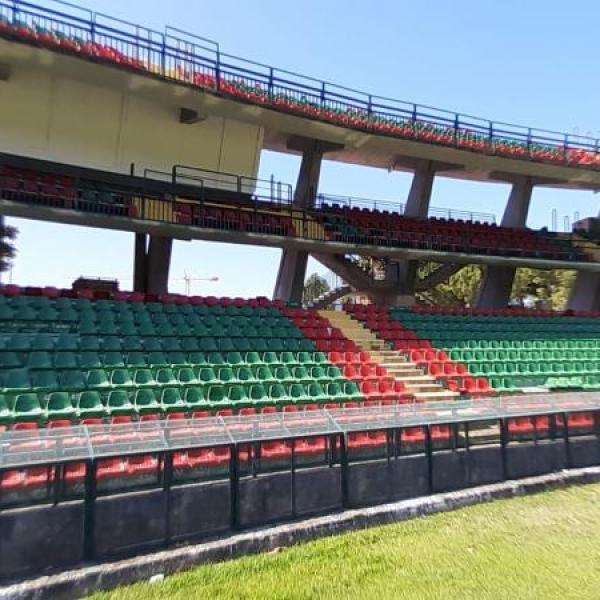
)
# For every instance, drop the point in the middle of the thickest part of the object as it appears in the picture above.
(498, 281)
(158, 261)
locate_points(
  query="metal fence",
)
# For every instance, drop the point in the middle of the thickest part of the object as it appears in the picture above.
(26, 448)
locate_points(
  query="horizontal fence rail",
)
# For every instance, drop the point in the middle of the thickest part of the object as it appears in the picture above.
(24, 448)
(179, 56)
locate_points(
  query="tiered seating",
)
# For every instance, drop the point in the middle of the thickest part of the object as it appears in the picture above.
(383, 228)
(124, 50)
(376, 385)
(455, 375)
(515, 351)
(74, 359)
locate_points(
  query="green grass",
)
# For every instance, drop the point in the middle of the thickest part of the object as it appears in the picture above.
(538, 547)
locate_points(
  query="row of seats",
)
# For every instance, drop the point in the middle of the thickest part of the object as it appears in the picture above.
(370, 227)
(77, 405)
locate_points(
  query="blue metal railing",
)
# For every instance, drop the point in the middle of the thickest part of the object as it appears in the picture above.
(177, 55)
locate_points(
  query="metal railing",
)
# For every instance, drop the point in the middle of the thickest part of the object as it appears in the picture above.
(260, 213)
(332, 200)
(180, 56)
(26, 448)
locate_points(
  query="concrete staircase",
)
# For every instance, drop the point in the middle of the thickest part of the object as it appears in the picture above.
(418, 383)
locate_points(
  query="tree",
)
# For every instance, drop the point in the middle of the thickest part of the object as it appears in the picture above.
(314, 286)
(548, 288)
(7, 247)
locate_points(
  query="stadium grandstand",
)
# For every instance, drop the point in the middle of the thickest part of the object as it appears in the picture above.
(137, 407)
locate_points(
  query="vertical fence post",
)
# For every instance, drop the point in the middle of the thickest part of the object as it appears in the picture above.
(218, 70)
(566, 147)
(344, 469)
(503, 447)
(234, 485)
(270, 84)
(429, 453)
(89, 510)
(567, 440)
(370, 105)
(167, 481)
(323, 93)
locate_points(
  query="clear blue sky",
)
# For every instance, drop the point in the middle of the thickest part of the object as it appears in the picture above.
(532, 63)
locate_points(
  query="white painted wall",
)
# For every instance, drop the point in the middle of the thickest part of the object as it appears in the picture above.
(43, 114)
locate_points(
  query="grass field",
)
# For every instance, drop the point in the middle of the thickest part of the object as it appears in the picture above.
(543, 546)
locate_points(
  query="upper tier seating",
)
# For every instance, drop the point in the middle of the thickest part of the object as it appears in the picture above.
(514, 350)
(383, 228)
(356, 226)
(121, 50)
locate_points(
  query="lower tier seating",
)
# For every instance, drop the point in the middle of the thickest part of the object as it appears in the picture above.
(513, 352)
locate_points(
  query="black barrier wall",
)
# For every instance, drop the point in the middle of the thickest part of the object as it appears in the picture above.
(62, 531)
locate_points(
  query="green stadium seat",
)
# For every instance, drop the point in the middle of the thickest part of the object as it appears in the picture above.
(27, 408)
(194, 399)
(44, 381)
(297, 393)
(143, 378)
(145, 402)
(171, 400)
(278, 395)
(165, 376)
(59, 406)
(16, 380)
(72, 380)
(118, 403)
(89, 405)
(187, 377)
(39, 360)
(65, 360)
(6, 414)
(206, 375)
(258, 396)
(121, 378)
(97, 379)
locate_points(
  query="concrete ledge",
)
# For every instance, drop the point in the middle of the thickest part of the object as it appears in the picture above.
(105, 576)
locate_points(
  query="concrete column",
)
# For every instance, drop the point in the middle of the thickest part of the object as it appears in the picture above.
(139, 263)
(585, 294)
(419, 196)
(498, 281)
(292, 267)
(158, 263)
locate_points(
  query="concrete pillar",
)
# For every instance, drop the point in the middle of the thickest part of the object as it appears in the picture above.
(498, 281)
(158, 261)
(292, 267)
(139, 263)
(419, 196)
(585, 294)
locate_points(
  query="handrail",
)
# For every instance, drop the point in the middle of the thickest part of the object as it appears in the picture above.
(169, 56)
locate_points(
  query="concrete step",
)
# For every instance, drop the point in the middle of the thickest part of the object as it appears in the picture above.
(418, 388)
(441, 395)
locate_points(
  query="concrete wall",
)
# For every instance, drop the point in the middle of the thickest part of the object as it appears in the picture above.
(45, 115)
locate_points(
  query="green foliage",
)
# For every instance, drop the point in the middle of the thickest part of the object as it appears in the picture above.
(7, 248)
(550, 288)
(314, 286)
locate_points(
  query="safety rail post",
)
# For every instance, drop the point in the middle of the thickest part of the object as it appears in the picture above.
(414, 114)
(293, 477)
(566, 439)
(218, 70)
(234, 486)
(456, 127)
(89, 511)
(163, 56)
(323, 94)
(429, 454)
(167, 482)
(566, 147)
(490, 131)
(344, 468)
(503, 446)
(529, 141)
(270, 84)
(370, 105)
